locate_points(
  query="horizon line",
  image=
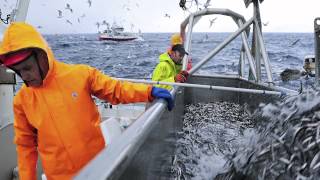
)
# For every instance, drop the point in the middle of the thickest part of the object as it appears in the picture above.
(176, 32)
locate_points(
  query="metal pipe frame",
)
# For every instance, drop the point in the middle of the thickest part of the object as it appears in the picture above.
(210, 11)
(248, 52)
(188, 42)
(258, 42)
(242, 62)
(256, 48)
(241, 66)
(317, 48)
(193, 18)
(221, 46)
(265, 57)
(257, 54)
(210, 87)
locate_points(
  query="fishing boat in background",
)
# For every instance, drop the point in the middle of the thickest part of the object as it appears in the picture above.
(117, 33)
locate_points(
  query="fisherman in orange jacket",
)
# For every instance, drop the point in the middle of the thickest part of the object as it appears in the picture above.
(54, 113)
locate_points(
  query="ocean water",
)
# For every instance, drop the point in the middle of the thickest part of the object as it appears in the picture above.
(137, 59)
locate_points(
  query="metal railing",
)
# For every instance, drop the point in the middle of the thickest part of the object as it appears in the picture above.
(244, 30)
(317, 48)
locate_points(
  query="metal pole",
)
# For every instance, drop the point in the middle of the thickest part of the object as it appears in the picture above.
(265, 57)
(244, 90)
(255, 45)
(220, 46)
(188, 42)
(317, 48)
(242, 62)
(257, 54)
(248, 53)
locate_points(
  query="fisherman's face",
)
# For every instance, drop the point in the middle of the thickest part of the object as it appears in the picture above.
(29, 71)
(177, 57)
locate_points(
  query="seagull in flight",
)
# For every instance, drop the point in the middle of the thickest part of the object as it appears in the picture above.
(265, 24)
(167, 15)
(89, 2)
(294, 43)
(98, 24)
(212, 21)
(207, 4)
(69, 22)
(104, 22)
(59, 14)
(69, 7)
(196, 1)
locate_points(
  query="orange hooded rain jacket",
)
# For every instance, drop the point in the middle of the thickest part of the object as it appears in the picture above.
(60, 120)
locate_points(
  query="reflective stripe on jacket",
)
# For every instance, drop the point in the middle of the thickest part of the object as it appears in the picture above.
(60, 120)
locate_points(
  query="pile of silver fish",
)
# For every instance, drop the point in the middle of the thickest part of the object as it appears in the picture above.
(286, 145)
(210, 132)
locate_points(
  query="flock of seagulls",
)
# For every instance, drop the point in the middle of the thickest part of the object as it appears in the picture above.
(103, 23)
(69, 9)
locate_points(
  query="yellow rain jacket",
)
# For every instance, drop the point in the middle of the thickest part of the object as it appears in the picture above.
(60, 120)
(165, 71)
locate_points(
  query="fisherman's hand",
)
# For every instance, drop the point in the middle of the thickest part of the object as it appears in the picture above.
(164, 94)
(182, 76)
(185, 74)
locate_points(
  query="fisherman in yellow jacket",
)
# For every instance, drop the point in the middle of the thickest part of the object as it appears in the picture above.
(178, 38)
(54, 113)
(167, 69)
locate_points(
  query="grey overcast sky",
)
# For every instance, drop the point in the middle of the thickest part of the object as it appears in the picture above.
(149, 15)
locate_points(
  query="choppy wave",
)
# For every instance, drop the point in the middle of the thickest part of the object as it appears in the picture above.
(286, 144)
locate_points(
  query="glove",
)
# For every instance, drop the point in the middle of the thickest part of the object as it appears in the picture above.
(164, 94)
(182, 76)
(189, 65)
(185, 74)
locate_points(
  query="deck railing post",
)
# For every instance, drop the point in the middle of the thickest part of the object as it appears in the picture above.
(247, 49)
(188, 41)
(7, 82)
(255, 44)
(317, 48)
